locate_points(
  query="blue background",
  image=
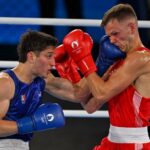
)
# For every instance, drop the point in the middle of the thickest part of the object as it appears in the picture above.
(31, 8)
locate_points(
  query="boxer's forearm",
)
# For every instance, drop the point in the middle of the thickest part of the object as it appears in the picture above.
(8, 128)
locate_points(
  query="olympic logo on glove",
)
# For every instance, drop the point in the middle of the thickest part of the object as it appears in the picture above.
(74, 44)
(50, 117)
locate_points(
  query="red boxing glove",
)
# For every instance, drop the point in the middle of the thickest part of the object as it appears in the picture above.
(79, 45)
(65, 65)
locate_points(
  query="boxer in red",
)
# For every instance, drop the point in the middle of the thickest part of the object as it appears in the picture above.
(126, 87)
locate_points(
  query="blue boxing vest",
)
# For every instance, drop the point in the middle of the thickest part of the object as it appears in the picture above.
(26, 99)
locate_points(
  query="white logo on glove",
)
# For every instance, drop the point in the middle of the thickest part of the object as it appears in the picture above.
(74, 44)
(50, 117)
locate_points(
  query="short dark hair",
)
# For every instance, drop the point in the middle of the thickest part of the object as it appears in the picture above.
(119, 12)
(35, 41)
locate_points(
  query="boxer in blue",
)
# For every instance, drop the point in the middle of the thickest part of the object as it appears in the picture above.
(21, 109)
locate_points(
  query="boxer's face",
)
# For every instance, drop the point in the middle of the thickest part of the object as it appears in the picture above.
(119, 34)
(43, 62)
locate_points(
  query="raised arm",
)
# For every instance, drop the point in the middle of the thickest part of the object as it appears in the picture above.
(66, 90)
(101, 90)
(69, 86)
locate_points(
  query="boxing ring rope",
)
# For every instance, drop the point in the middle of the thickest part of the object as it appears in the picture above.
(61, 22)
(8, 64)
(84, 114)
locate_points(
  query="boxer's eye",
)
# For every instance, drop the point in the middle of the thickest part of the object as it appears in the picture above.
(49, 55)
(114, 33)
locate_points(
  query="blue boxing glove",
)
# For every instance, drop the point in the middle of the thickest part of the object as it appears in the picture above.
(47, 116)
(108, 54)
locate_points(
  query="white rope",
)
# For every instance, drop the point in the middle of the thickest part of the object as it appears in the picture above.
(8, 64)
(84, 114)
(60, 22)
(49, 21)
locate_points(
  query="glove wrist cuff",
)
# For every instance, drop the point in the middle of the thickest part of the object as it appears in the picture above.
(87, 65)
(25, 125)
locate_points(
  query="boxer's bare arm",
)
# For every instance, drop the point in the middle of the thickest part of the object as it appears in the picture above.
(7, 90)
(64, 89)
(135, 69)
